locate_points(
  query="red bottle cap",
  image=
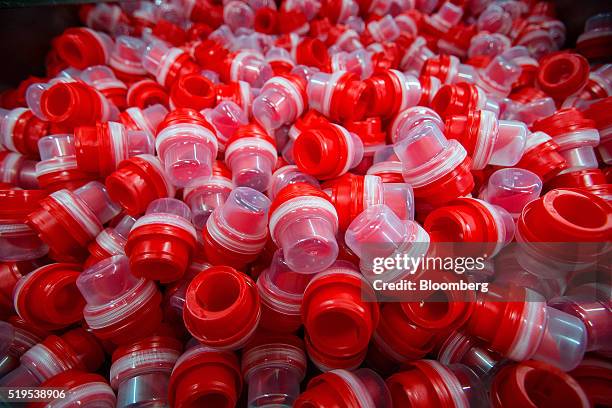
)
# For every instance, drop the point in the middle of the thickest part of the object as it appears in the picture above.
(266, 20)
(339, 329)
(192, 91)
(581, 179)
(49, 298)
(563, 74)
(82, 388)
(21, 131)
(466, 220)
(137, 182)
(442, 310)
(594, 375)
(222, 307)
(146, 93)
(74, 104)
(563, 121)
(566, 215)
(520, 385)
(290, 21)
(425, 384)
(82, 47)
(169, 32)
(542, 158)
(10, 273)
(312, 52)
(66, 237)
(204, 377)
(325, 152)
(458, 99)
(160, 245)
(94, 146)
(457, 183)
(76, 349)
(362, 388)
(17, 204)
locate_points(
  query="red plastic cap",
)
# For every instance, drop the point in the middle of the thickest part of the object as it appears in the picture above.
(146, 93)
(222, 307)
(192, 91)
(563, 74)
(322, 152)
(81, 48)
(423, 384)
(313, 53)
(49, 298)
(456, 99)
(566, 215)
(266, 20)
(137, 182)
(339, 320)
(203, 377)
(72, 104)
(170, 32)
(522, 385)
(78, 348)
(581, 179)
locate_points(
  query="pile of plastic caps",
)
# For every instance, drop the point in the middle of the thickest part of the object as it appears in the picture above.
(194, 199)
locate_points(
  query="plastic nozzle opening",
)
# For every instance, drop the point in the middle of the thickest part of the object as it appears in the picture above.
(106, 281)
(153, 56)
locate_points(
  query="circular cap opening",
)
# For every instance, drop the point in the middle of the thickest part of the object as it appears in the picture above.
(579, 211)
(335, 330)
(548, 389)
(308, 150)
(58, 100)
(198, 86)
(219, 292)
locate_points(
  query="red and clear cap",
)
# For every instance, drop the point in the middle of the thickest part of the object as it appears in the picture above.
(502, 72)
(368, 386)
(139, 142)
(489, 45)
(400, 198)
(226, 118)
(564, 341)
(107, 281)
(420, 145)
(95, 196)
(170, 206)
(376, 232)
(410, 118)
(510, 143)
(153, 56)
(124, 226)
(100, 76)
(127, 54)
(512, 189)
(54, 146)
(238, 14)
(246, 210)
